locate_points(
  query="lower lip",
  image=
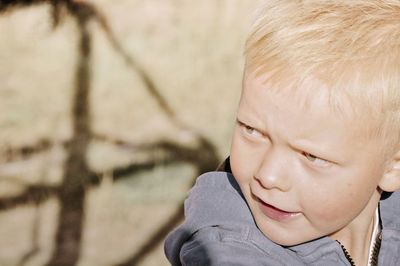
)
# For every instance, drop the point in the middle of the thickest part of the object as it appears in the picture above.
(276, 214)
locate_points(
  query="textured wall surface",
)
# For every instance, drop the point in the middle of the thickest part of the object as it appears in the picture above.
(108, 111)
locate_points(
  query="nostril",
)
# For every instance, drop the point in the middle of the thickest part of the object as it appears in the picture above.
(259, 182)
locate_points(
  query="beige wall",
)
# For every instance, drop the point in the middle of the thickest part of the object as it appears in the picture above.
(162, 79)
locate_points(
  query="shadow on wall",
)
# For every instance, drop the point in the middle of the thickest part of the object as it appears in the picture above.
(78, 178)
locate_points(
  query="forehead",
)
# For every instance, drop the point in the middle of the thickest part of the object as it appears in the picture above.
(298, 117)
(311, 94)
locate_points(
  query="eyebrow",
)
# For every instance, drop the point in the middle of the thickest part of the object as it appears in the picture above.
(314, 150)
(297, 145)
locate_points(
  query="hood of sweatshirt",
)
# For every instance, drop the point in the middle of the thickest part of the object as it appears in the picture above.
(216, 200)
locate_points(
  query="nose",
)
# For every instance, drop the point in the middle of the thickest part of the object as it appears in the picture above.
(273, 172)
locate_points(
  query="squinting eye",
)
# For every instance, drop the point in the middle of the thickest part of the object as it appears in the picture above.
(252, 131)
(316, 160)
(310, 157)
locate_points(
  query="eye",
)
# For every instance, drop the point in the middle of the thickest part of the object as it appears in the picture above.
(315, 160)
(250, 131)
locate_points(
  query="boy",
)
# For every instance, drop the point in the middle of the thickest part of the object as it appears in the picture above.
(315, 154)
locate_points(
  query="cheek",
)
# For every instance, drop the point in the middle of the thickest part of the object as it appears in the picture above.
(336, 206)
(328, 210)
(241, 159)
(240, 169)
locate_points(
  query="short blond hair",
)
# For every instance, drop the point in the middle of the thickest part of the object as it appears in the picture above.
(352, 45)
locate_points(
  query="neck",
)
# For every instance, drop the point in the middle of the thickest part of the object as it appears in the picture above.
(356, 237)
(358, 248)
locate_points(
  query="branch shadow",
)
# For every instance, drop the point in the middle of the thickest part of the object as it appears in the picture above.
(10, 5)
(35, 240)
(204, 158)
(72, 192)
(77, 176)
(23, 152)
(33, 194)
(135, 67)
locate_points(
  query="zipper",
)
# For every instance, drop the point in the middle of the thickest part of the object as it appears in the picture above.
(373, 261)
(347, 254)
(375, 250)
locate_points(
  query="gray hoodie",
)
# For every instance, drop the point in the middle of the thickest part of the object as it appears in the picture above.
(219, 230)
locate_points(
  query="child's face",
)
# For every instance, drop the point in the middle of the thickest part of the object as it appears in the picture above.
(306, 172)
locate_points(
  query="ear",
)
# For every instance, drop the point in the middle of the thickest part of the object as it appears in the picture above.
(390, 181)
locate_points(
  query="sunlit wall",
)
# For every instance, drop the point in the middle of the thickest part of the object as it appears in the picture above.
(108, 111)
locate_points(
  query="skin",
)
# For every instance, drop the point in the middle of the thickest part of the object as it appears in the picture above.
(308, 160)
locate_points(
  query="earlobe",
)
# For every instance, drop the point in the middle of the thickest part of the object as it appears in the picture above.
(390, 181)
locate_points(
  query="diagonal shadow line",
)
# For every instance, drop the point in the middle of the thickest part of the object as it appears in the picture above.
(193, 156)
(155, 239)
(37, 194)
(201, 157)
(12, 154)
(34, 194)
(35, 239)
(147, 80)
(74, 212)
(25, 151)
(175, 153)
(203, 160)
(89, 10)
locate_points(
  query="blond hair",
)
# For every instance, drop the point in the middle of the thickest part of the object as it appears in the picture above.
(353, 46)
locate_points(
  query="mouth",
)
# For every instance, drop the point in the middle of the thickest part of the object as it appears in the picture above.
(275, 213)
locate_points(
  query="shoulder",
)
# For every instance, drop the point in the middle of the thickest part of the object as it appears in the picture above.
(219, 228)
(229, 245)
(216, 199)
(390, 217)
(390, 210)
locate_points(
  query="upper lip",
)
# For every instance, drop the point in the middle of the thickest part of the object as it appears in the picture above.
(273, 206)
